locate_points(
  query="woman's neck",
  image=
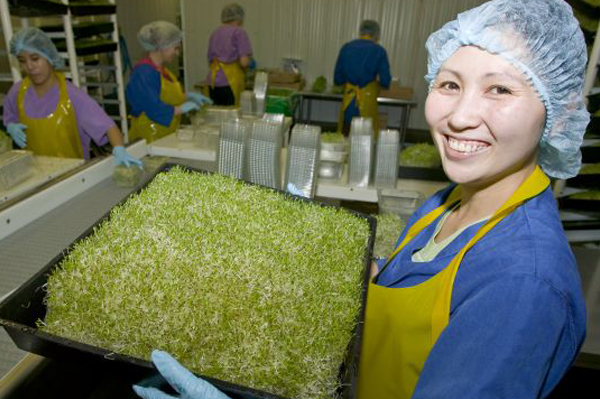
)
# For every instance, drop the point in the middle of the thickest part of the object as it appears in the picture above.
(42, 88)
(478, 202)
(156, 58)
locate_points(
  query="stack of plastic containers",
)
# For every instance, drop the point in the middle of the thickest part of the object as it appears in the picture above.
(361, 151)
(15, 167)
(261, 81)
(232, 148)
(217, 114)
(333, 155)
(247, 102)
(302, 160)
(386, 163)
(277, 119)
(264, 154)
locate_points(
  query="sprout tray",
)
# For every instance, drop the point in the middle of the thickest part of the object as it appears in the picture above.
(21, 311)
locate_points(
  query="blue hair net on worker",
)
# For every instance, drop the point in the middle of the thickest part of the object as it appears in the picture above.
(159, 35)
(232, 12)
(369, 27)
(34, 40)
(543, 40)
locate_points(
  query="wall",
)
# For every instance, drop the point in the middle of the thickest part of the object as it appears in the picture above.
(314, 30)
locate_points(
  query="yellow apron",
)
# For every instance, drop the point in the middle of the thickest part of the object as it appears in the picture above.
(57, 134)
(366, 100)
(235, 76)
(171, 93)
(402, 324)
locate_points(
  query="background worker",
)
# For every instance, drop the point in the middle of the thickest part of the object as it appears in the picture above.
(154, 93)
(229, 54)
(482, 297)
(359, 65)
(49, 115)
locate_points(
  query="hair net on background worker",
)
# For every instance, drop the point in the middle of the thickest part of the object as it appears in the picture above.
(34, 40)
(369, 27)
(542, 39)
(159, 35)
(232, 12)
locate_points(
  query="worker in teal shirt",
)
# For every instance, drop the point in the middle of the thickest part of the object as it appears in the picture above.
(362, 67)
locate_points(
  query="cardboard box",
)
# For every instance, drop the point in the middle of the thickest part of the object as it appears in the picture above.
(277, 76)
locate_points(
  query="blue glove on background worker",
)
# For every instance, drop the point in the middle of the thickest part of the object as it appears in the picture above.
(17, 132)
(181, 379)
(198, 98)
(122, 157)
(252, 64)
(189, 106)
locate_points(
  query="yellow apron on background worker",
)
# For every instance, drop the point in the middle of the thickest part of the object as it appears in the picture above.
(57, 134)
(235, 76)
(171, 93)
(402, 324)
(366, 100)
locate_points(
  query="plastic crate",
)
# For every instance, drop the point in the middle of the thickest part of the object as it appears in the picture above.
(15, 167)
(400, 202)
(281, 101)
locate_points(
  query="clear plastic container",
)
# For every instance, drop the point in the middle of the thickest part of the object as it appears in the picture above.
(185, 133)
(330, 169)
(399, 202)
(15, 167)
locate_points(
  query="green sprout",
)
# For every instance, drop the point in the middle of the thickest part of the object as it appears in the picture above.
(422, 155)
(332, 137)
(238, 282)
(590, 169)
(389, 227)
(593, 195)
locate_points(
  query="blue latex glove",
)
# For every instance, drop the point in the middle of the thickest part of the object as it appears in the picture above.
(189, 106)
(181, 379)
(122, 157)
(252, 64)
(198, 98)
(294, 190)
(17, 132)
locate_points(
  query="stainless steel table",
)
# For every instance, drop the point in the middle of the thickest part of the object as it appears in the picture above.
(306, 98)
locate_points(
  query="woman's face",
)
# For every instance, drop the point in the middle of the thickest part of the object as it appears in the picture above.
(36, 66)
(169, 53)
(485, 118)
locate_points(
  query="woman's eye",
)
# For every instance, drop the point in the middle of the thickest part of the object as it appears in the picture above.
(500, 90)
(449, 85)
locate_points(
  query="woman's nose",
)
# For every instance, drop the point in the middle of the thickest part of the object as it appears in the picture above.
(466, 113)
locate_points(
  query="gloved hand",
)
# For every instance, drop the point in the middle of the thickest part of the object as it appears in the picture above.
(252, 64)
(292, 189)
(189, 106)
(122, 157)
(181, 379)
(17, 132)
(198, 98)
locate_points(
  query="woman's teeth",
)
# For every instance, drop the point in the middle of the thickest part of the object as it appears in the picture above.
(468, 147)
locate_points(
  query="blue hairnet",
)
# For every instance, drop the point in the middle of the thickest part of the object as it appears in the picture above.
(542, 39)
(232, 12)
(158, 35)
(34, 40)
(369, 27)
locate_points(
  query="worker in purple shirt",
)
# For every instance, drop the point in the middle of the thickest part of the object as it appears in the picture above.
(49, 115)
(229, 55)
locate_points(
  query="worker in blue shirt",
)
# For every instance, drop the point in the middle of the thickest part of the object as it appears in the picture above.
(482, 297)
(359, 65)
(154, 93)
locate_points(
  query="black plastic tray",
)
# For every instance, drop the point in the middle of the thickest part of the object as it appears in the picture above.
(20, 311)
(566, 203)
(412, 172)
(590, 154)
(36, 8)
(591, 181)
(82, 8)
(85, 29)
